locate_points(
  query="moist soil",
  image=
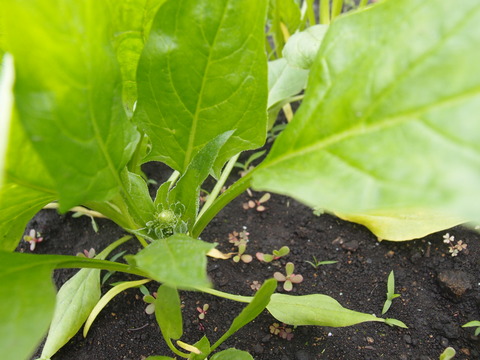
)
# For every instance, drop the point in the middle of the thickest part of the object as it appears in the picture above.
(438, 292)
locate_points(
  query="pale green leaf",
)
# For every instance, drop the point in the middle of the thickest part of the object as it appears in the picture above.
(284, 81)
(316, 309)
(7, 77)
(75, 300)
(201, 74)
(68, 94)
(131, 24)
(178, 261)
(448, 354)
(187, 189)
(232, 354)
(168, 312)
(301, 49)
(204, 346)
(379, 131)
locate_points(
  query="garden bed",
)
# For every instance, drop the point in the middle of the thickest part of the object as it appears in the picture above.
(423, 268)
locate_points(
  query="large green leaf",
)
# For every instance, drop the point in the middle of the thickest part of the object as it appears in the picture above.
(25, 186)
(131, 24)
(284, 81)
(316, 309)
(168, 312)
(68, 93)
(203, 72)
(388, 124)
(178, 261)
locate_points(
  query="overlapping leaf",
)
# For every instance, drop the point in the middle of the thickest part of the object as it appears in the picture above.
(68, 94)
(388, 124)
(203, 72)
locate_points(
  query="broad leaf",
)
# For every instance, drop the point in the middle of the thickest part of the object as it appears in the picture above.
(204, 346)
(68, 94)
(316, 309)
(301, 49)
(168, 312)
(187, 189)
(75, 300)
(201, 74)
(379, 131)
(232, 354)
(25, 186)
(178, 261)
(27, 300)
(131, 24)
(284, 81)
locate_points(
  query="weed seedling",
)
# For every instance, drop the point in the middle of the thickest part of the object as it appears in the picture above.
(315, 263)
(290, 278)
(149, 299)
(240, 241)
(202, 311)
(474, 323)
(277, 254)
(33, 238)
(89, 254)
(256, 204)
(390, 292)
(281, 331)
(454, 248)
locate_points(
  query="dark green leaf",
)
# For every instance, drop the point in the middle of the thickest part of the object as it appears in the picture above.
(178, 261)
(168, 312)
(379, 133)
(316, 309)
(201, 74)
(68, 93)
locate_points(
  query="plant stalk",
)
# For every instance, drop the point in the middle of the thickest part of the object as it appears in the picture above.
(337, 7)
(325, 12)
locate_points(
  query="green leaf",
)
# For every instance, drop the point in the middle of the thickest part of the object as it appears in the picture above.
(7, 77)
(251, 311)
(159, 358)
(178, 261)
(168, 312)
(395, 322)
(27, 300)
(204, 346)
(187, 189)
(232, 354)
(201, 74)
(316, 309)
(448, 353)
(378, 131)
(68, 94)
(138, 192)
(75, 300)
(284, 81)
(132, 20)
(301, 49)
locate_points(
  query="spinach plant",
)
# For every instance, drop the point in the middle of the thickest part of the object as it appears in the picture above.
(385, 136)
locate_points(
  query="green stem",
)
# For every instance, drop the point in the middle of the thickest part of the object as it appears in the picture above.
(174, 349)
(311, 13)
(112, 247)
(337, 7)
(173, 178)
(231, 193)
(219, 185)
(362, 4)
(324, 11)
(141, 240)
(239, 298)
(71, 263)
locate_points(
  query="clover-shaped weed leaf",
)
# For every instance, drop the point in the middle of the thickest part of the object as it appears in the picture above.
(290, 278)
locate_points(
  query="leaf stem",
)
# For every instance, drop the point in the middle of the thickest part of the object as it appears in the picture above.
(325, 12)
(337, 7)
(80, 209)
(219, 185)
(362, 4)
(239, 298)
(231, 193)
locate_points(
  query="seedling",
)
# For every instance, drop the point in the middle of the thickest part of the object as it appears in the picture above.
(256, 204)
(255, 285)
(390, 292)
(474, 323)
(33, 238)
(240, 241)
(90, 254)
(448, 354)
(281, 331)
(247, 167)
(202, 311)
(149, 299)
(315, 263)
(277, 254)
(290, 278)
(454, 248)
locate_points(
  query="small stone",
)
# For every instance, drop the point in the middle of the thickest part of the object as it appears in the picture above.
(454, 283)
(370, 340)
(258, 349)
(351, 245)
(407, 339)
(444, 342)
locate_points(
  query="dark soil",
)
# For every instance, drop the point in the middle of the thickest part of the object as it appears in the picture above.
(433, 309)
